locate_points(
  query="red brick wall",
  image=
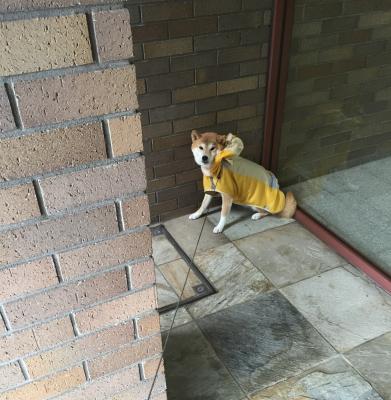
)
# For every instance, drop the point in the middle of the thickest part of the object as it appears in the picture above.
(77, 297)
(200, 64)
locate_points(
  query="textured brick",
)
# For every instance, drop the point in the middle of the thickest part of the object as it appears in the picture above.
(135, 212)
(323, 11)
(142, 274)
(373, 19)
(166, 11)
(18, 203)
(116, 311)
(161, 183)
(307, 29)
(149, 325)
(217, 103)
(164, 206)
(36, 339)
(51, 150)
(166, 48)
(355, 36)
(198, 121)
(182, 63)
(10, 375)
(174, 192)
(235, 21)
(124, 356)
(256, 4)
(106, 254)
(66, 97)
(141, 87)
(92, 185)
(113, 35)
(216, 73)
(339, 24)
(47, 387)
(188, 176)
(105, 387)
(150, 67)
(142, 390)
(194, 92)
(237, 85)
(32, 240)
(170, 81)
(210, 7)
(173, 167)
(79, 349)
(6, 117)
(66, 298)
(253, 36)
(171, 112)
(24, 5)
(236, 113)
(150, 31)
(126, 135)
(238, 54)
(312, 71)
(44, 43)
(156, 99)
(26, 278)
(216, 41)
(155, 130)
(192, 26)
(168, 142)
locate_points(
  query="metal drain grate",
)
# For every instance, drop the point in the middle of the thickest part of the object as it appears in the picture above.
(203, 289)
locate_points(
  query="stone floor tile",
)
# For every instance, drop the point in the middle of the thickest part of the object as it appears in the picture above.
(186, 232)
(239, 223)
(288, 254)
(346, 309)
(233, 275)
(331, 380)
(165, 293)
(163, 251)
(264, 341)
(373, 361)
(193, 370)
(182, 317)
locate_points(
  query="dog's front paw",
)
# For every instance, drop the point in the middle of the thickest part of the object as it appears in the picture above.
(218, 228)
(194, 215)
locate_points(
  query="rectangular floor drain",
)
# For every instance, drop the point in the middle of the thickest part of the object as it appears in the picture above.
(197, 286)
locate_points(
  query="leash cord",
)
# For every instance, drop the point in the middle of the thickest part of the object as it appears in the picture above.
(177, 308)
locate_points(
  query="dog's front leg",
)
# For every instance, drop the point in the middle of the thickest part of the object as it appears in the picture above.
(225, 209)
(204, 205)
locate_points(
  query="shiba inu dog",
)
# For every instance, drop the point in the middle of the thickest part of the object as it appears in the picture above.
(236, 179)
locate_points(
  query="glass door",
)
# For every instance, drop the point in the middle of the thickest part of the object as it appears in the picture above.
(335, 148)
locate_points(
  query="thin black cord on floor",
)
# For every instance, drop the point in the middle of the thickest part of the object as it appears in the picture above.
(177, 308)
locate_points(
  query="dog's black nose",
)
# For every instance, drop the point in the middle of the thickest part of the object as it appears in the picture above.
(205, 159)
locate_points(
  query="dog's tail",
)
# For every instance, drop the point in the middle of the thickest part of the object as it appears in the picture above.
(290, 206)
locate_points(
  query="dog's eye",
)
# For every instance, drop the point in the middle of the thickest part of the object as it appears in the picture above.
(212, 148)
(201, 148)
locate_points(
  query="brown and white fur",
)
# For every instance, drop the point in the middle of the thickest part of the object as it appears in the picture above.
(205, 147)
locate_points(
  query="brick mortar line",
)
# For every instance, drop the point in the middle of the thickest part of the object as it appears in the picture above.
(66, 71)
(24, 369)
(68, 170)
(107, 137)
(120, 214)
(74, 247)
(66, 124)
(93, 39)
(5, 319)
(13, 100)
(86, 370)
(40, 200)
(75, 311)
(6, 16)
(57, 266)
(69, 282)
(72, 211)
(75, 339)
(76, 330)
(128, 273)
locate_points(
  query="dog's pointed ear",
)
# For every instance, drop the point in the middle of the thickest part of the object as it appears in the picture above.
(221, 139)
(194, 135)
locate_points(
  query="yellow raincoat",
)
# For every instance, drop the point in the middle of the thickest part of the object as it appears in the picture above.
(246, 182)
